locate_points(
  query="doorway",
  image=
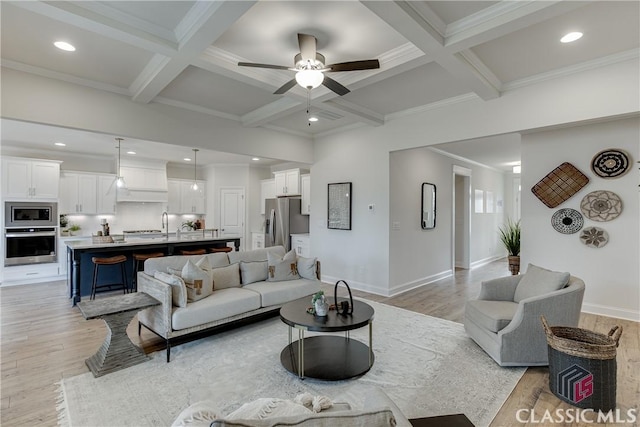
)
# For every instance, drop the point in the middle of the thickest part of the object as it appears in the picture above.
(461, 230)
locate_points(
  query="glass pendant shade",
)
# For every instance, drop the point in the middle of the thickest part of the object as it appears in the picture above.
(309, 78)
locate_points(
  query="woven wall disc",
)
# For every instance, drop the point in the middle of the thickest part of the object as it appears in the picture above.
(610, 163)
(567, 221)
(601, 205)
(594, 237)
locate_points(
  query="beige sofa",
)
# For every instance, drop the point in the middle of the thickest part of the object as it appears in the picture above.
(239, 295)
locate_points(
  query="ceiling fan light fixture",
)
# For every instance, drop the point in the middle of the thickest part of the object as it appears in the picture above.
(309, 79)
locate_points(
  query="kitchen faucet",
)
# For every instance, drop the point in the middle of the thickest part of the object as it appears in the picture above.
(165, 226)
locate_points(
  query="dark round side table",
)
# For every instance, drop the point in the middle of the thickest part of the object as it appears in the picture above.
(327, 357)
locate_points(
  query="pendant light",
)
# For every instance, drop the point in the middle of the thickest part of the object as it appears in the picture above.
(119, 179)
(194, 187)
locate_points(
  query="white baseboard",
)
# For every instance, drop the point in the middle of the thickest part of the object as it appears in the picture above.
(618, 313)
(365, 287)
(397, 290)
(481, 262)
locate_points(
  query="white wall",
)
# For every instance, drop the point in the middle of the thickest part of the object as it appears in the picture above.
(610, 273)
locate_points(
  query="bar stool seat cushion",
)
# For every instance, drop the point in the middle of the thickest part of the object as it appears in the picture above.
(144, 257)
(117, 259)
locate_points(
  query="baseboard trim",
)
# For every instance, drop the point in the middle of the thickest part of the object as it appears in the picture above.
(364, 287)
(618, 313)
(406, 287)
(485, 261)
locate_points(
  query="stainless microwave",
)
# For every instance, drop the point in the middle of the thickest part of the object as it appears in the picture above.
(30, 214)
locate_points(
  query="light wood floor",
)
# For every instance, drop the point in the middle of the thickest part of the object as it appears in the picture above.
(44, 339)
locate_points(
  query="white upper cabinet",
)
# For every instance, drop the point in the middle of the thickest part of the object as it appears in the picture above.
(267, 191)
(139, 178)
(106, 194)
(287, 182)
(30, 179)
(305, 183)
(183, 199)
(78, 193)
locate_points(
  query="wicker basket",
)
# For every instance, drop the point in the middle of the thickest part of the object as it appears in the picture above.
(582, 366)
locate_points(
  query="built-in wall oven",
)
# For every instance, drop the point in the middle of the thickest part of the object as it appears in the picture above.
(31, 230)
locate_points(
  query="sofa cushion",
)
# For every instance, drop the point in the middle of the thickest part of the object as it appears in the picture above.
(226, 277)
(379, 418)
(218, 259)
(251, 272)
(307, 268)
(256, 254)
(539, 281)
(178, 288)
(276, 293)
(491, 315)
(219, 305)
(282, 268)
(192, 272)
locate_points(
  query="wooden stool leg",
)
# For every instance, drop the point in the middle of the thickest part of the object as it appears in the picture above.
(125, 287)
(95, 281)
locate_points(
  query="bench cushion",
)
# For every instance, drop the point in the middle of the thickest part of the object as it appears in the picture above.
(219, 305)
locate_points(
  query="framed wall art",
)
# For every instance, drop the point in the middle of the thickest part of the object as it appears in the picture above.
(339, 206)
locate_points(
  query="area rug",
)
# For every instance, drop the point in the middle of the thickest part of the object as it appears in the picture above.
(427, 366)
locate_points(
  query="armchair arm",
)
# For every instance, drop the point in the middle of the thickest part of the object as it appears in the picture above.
(156, 318)
(500, 289)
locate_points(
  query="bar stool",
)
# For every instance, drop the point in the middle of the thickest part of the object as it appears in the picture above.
(222, 249)
(137, 259)
(193, 252)
(114, 260)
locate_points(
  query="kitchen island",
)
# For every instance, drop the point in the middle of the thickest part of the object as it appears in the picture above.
(79, 253)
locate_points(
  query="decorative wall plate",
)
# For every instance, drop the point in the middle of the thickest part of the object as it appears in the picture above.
(594, 237)
(567, 221)
(601, 205)
(559, 185)
(610, 163)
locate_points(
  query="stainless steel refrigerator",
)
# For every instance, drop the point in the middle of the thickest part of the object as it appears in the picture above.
(283, 218)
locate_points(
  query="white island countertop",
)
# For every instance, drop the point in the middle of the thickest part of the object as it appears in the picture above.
(87, 243)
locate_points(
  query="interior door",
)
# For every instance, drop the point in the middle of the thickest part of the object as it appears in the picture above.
(232, 212)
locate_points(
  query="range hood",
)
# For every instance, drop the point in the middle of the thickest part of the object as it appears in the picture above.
(145, 181)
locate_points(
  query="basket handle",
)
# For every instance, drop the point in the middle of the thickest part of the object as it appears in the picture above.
(615, 333)
(545, 325)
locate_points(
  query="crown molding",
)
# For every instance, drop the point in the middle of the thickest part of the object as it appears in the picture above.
(433, 106)
(196, 108)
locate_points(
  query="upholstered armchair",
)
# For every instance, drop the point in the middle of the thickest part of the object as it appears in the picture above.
(505, 319)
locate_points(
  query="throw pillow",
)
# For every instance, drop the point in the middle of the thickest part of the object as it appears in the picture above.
(267, 408)
(178, 288)
(190, 273)
(539, 281)
(307, 268)
(284, 268)
(251, 272)
(198, 414)
(226, 277)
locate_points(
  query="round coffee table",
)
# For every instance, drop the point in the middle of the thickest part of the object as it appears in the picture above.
(327, 357)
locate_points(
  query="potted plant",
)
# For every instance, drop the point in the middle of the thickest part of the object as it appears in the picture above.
(73, 228)
(189, 225)
(510, 238)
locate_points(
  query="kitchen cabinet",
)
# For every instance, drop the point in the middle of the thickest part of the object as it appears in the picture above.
(78, 193)
(182, 199)
(31, 273)
(144, 178)
(257, 240)
(267, 191)
(301, 244)
(305, 184)
(287, 182)
(106, 194)
(30, 179)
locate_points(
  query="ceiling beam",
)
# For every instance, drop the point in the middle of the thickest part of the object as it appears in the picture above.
(203, 24)
(408, 21)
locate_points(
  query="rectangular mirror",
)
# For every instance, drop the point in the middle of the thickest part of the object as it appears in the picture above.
(428, 206)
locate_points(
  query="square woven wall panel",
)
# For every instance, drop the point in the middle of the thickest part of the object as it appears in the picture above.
(559, 185)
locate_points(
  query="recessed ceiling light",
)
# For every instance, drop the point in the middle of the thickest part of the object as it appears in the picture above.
(255, 159)
(64, 46)
(517, 169)
(313, 119)
(60, 144)
(186, 159)
(131, 152)
(571, 37)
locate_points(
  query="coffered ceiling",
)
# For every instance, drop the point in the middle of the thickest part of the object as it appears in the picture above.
(185, 53)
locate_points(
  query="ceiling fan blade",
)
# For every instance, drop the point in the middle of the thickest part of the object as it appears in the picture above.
(335, 86)
(307, 45)
(251, 64)
(369, 64)
(285, 87)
